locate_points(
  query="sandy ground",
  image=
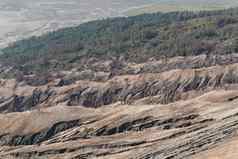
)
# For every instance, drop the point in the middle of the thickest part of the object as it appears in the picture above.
(228, 150)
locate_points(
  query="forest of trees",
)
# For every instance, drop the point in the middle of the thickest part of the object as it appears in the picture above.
(135, 38)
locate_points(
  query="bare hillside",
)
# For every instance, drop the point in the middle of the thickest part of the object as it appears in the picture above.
(161, 86)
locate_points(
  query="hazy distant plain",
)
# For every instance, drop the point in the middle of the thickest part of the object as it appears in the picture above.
(183, 5)
(23, 18)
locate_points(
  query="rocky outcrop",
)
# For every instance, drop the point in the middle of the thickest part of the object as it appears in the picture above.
(144, 88)
(167, 87)
(177, 110)
(38, 137)
(19, 103)
(178, 130)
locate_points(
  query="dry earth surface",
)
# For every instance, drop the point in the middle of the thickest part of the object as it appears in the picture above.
(177, 108)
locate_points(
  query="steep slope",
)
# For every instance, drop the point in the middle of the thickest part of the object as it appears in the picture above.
(119, 105)
(177, 130)
(170, 113)
(147, 87)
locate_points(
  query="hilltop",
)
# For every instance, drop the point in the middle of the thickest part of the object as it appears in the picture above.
(133, 39)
